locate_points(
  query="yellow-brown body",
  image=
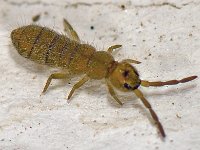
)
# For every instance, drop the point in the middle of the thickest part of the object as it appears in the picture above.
(45, 46)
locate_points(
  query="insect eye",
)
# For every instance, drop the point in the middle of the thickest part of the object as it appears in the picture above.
(127, 86)
(125, 73)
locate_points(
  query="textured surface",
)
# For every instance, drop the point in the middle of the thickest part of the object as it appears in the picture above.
(163, 35)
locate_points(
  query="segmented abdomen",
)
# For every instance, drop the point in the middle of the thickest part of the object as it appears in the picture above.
(45, 46)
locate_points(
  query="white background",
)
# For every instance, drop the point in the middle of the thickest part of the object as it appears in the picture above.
(163, 35)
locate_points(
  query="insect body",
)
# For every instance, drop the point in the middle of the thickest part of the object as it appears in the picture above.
(45, 46)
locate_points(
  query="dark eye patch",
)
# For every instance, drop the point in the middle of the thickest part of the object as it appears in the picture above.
(127, 86)
(125, 73)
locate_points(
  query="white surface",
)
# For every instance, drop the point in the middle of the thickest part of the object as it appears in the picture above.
(167, 30)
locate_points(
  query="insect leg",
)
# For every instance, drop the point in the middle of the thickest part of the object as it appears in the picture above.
(153, 114)
(131, 61)
(112, 93)
(78, 85)
(170, 82)
(111, 48)
(70, 31)
(54, 76)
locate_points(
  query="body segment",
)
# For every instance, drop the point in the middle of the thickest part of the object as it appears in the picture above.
(46, 46)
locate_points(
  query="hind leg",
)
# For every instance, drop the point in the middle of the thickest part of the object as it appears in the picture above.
(78, 85)
(54, 76)
(70, 31)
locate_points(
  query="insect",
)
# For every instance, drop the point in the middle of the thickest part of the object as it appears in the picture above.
(45, 46)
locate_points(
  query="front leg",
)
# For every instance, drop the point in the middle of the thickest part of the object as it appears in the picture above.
(111, 48)
(112, 93)
(131, 61)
